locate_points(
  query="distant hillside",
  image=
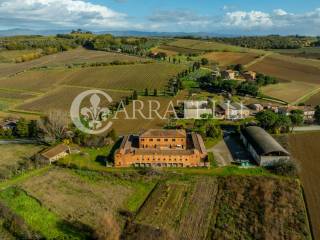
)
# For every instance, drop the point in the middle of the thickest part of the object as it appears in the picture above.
(20, 31)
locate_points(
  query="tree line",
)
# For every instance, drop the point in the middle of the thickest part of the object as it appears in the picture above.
(269, 42)
(266, 42)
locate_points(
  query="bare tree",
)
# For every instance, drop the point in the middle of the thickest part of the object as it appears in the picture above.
(53, 127)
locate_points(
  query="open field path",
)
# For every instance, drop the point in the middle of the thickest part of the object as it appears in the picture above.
(17, 141)
(307, 128)
(258, 59)
(306, 96)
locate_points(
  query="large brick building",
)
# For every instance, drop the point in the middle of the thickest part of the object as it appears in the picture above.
(162, 148)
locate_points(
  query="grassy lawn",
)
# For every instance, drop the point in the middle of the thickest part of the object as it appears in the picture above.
(140, 188)
(221, 171)
(89, 158)
(36, 216)
(23, 177)
(141, 191)
(13, 153)
(190, 81)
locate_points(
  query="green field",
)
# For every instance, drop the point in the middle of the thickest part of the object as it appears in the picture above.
(52, 100)
(14, 154)
(202, 45)
(75, 56)
(139, 76)
(36, 80)
(38, 217)
(87, 197)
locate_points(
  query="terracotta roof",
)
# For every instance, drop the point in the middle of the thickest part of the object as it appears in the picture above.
(159, 133)
(54, 151)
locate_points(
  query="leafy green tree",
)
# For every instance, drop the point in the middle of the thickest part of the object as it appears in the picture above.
(296, 117)
(127, 101)
(229, 86)
(267, 119)
(155, 92)
(33, 129)
(284, 168)
(239, 68)
(248, 88)
(213, 131)
(22, 129)
(317, 114)
(204, 61)
(113, 135)
(282, 124)
(134, 95)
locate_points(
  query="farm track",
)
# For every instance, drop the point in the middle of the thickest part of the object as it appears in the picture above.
(258, 60)
(307, 96)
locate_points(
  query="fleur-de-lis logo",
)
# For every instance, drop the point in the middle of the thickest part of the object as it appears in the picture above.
(94, 116)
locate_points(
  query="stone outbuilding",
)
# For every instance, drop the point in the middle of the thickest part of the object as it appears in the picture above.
(55, 153)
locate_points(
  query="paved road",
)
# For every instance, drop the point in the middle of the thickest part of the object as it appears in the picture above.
(307, 128)
(17, 141)
(221, 153)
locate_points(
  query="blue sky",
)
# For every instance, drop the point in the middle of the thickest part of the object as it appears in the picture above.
(246, 17)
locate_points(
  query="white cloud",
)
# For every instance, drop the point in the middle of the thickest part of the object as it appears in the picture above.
(180, 20)
(59, 13)
(248, 19)
(280, 12)
(67, 14)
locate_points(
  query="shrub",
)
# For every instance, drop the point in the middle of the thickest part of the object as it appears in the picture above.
(284, 168)
(212, 160)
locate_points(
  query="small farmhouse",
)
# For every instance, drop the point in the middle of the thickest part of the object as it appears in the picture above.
(256, 107)
(161, 148)
(55, 153)
(250, 75)
(196, 109)
(8, 124)
(308, 112)
(228, 74)
(232, 111)
(264, 149)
